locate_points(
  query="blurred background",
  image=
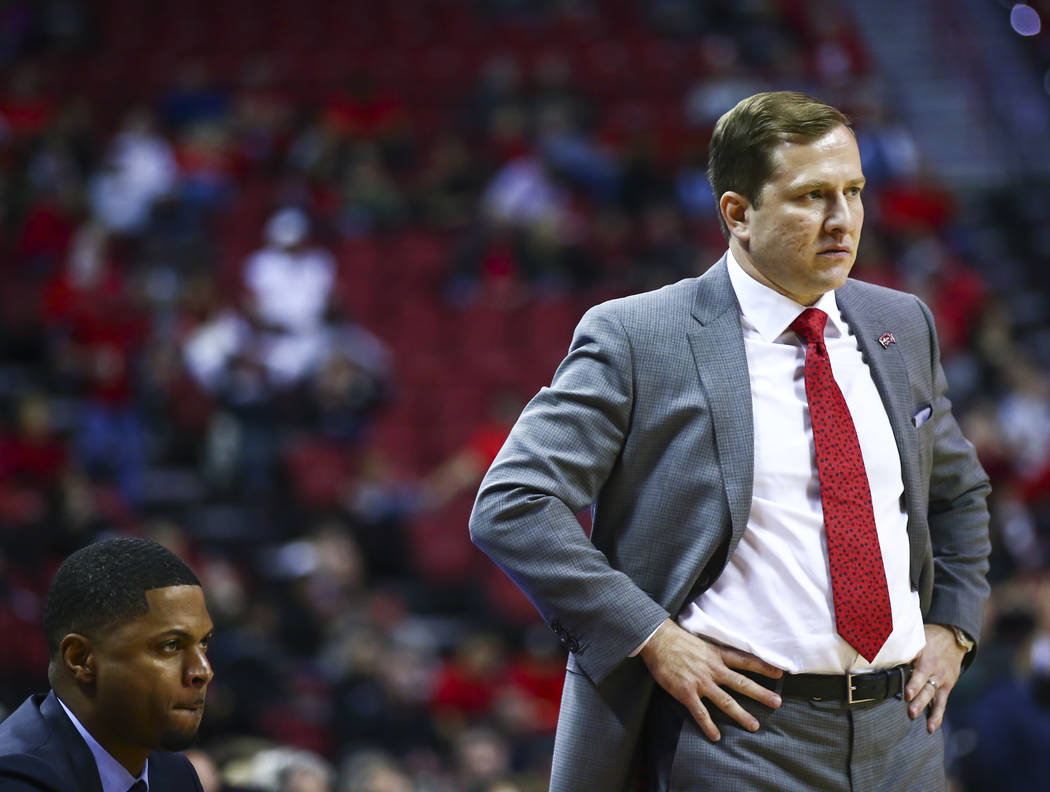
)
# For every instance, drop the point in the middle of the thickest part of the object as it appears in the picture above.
(278, 277)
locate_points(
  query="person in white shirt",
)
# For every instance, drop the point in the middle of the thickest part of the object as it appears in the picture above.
(790, 533)
(289, 286)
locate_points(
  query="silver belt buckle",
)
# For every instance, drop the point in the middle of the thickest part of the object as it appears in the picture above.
(850, 688)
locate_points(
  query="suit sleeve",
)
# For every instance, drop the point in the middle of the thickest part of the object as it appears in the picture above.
(958, 514)
(553, 465)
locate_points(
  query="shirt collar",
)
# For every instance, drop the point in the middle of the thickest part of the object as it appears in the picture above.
(114, 776)
(770, 313)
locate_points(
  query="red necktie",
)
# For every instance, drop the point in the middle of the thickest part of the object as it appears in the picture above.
(858, 577)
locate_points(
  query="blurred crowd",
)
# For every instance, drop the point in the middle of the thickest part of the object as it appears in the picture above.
(277, 279)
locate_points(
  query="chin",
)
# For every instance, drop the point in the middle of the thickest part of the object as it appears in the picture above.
(840, 280)
(836, 278)
(177, 739)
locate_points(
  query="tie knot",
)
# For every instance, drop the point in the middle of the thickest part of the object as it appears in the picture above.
(809, 325)
(138, 786)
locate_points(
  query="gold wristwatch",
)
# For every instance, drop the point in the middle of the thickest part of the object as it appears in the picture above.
(961, 638)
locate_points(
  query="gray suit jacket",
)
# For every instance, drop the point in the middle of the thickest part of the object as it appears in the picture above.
(648, 418)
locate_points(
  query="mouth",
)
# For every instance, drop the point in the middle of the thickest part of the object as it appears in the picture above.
(196, 707)
(836, 251)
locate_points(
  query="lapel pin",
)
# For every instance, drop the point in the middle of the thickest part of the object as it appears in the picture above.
(886, 339)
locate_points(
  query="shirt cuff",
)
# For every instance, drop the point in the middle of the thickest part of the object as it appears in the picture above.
(641, 646)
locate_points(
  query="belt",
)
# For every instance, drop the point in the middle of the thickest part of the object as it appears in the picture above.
(846, 688)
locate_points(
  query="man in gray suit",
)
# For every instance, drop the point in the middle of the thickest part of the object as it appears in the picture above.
(780, 591)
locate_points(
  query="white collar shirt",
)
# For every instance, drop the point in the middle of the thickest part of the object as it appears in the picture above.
(773, 599)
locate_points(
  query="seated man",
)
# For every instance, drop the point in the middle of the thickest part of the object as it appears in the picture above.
(128, 632)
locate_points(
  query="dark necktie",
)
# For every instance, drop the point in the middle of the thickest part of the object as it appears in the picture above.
(858, 577)
(138, 786)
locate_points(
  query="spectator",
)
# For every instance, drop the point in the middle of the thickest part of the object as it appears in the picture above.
(33, 455)
(371, 771)
(371, 202)
(726, 79)
(464, 469)
(449, 184)
(288, 296)
(1012, 723)
(193, 99)
(140, 170)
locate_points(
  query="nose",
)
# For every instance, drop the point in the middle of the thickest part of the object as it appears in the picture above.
(198, 670)
(839, 216)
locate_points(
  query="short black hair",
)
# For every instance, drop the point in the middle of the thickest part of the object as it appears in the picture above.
(105, 584)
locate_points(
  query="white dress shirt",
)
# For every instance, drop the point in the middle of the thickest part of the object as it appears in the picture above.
(291, 290)
(774, 597)
(114, 776)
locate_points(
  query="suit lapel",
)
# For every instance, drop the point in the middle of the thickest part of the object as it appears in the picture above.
(80, 759)
(718, 348)
(890, 374)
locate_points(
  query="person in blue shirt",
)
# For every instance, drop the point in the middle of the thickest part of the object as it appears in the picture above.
(128, 630)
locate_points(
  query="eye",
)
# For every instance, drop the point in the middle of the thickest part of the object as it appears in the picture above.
(854, 191)
(170, 647)
(205, 642)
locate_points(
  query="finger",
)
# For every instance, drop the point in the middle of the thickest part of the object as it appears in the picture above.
(921, 700)
(703, 720)
(916, 684)
(731, 707)
(752, 689)
(734, 658)
(933, 722)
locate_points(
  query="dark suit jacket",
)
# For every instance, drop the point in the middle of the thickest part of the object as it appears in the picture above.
(649, 419)
(41, 749)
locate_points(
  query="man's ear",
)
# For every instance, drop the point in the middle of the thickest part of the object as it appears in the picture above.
(735, 211)
(77, 656)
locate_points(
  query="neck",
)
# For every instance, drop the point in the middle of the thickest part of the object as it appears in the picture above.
(131, 757)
